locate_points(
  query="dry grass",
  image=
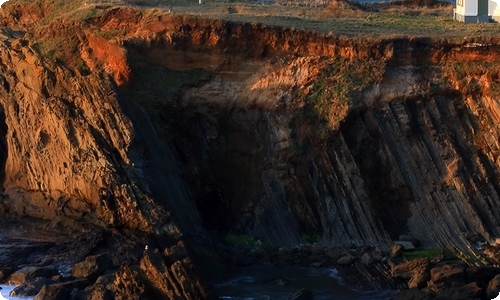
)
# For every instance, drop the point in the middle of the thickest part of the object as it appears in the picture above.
(337, 17)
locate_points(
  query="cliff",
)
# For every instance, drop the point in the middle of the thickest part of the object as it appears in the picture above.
(175, 125)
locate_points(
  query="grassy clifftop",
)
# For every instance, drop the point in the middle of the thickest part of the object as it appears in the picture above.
(338, 18)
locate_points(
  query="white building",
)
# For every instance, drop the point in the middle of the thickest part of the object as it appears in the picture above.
(477, 11)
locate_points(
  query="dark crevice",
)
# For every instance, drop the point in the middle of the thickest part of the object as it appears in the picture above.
(3, 144)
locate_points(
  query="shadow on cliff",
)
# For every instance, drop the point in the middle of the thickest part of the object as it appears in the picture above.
(3, 144)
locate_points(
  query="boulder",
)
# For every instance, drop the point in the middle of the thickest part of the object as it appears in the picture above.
(408, 269)
(409, 238)
(378, 254)
(30, 287)
(493, 289)
(346, 260)
(302, 294)
(53, 292)
(419, 280)
(92, 266)
(31, 272)
(448, 275)
(317, 250)
(333, 253)
(396, 250)
(367, 260)
(406, 244)
(61, 290)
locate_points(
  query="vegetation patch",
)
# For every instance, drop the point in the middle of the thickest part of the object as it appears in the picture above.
(423, 253)
(340, 85)
(468, 74)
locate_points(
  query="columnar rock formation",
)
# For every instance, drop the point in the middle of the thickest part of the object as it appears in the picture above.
(166, 124)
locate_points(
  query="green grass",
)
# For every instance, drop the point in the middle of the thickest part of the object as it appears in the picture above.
(422, 253)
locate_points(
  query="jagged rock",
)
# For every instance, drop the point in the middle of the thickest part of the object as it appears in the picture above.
(102, 288)
(30, 287)
(493, 289)
(396, 250)
(176, 252)
(302, 294)
(53, 292)
(62, 290)
(345, 260)
(31, 272)
(408, 269)
(492, 252)
(175, 280)
(92, 266)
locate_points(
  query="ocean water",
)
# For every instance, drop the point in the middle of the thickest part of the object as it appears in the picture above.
(271, 283)
(4, 292)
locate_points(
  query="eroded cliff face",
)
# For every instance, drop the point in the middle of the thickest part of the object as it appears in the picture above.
(273, 132)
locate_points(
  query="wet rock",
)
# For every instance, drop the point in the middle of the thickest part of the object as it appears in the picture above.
(493, 289)
(396, 250)
(302, 294)
(345, 260)
(92, 266)
(30, 287)
(415, 294)
(30, 272)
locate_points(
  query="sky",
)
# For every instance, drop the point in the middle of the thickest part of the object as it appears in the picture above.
(2, 1)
